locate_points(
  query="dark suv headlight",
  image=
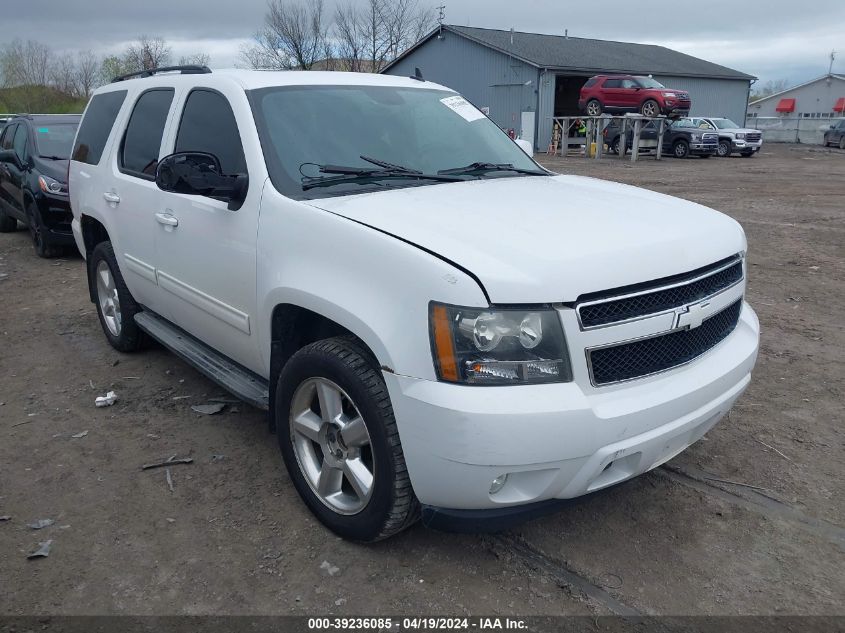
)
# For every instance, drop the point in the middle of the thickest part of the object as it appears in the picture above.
(51, 185)
(498, 346)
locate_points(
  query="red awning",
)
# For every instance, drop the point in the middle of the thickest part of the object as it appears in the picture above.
(786, 105)
(840, 105)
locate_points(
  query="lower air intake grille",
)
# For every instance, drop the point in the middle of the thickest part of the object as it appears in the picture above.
(649, 356)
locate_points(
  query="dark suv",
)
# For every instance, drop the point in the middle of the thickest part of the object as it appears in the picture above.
(681, 139)
(629, 93)
(34, 152)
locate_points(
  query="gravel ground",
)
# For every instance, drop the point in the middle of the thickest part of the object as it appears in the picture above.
(233, 538)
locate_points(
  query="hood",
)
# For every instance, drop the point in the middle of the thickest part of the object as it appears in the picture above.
(734, 130)
(54, 168)
(549, 239)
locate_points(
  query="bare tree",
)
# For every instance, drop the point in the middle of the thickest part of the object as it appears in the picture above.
(197, 59)
(147, 52)
(63, 75)
(26, 64)
(773, 86)
(87, 73)
(293, 36)
(369, 37)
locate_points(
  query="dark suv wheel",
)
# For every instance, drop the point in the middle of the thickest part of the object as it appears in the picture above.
(40, 234)
(680, 149)
(339, 440)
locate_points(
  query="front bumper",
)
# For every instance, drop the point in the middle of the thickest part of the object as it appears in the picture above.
(700, 149)
(739, 145)
(561, 441)
(56, 216)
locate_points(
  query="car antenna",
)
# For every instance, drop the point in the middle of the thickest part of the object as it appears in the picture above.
(417, 75)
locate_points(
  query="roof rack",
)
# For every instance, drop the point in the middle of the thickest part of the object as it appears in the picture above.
(149, 72)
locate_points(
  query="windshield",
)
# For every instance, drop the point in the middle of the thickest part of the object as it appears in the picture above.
(724, 124)
(682, 123)
(305, 127)
(54, 139)
(648, 82)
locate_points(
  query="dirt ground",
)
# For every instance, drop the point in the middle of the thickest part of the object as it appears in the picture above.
(232, 537)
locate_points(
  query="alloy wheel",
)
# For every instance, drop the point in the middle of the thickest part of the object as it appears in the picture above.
(649, 109)
(332, 445)
(108, 299)
(594, 108)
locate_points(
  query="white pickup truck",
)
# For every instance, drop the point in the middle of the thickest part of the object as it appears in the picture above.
(438, 326)
(733, 139)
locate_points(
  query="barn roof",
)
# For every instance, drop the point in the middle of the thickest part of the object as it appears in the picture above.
(558, 52)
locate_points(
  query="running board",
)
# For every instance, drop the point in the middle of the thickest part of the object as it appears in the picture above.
(241, 382)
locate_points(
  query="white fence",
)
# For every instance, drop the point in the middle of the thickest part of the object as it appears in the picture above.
(791, 129)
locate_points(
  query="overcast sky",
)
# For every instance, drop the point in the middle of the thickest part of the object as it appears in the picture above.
(772, 39)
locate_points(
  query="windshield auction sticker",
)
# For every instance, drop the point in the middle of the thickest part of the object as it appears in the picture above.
(462, 107)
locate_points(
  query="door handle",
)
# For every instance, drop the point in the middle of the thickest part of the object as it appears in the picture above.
(111, 197)
(167, 219)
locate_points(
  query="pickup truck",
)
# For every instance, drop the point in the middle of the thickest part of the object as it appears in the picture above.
(437, 326)
(681, 138)
(733, 139)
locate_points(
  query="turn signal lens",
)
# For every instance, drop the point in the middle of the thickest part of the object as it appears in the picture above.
(444, 347)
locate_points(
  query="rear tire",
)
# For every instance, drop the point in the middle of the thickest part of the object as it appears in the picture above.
(40, 236)
(615, 146)
(680, 149)
(115, 306)
(650, 108)
(7, 223)
(594, 107)
(354, 481)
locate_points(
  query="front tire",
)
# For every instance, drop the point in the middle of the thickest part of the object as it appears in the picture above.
(39, 233)
(115, 306)
(724, 149)
(747, 154)
(594, 107)
(7, 223)
(680, 149)
(338, 436)
(650, 108)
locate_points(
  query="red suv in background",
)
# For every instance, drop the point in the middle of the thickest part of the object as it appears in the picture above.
(630, 93)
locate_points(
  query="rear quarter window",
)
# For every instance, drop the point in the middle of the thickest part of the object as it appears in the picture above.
(96, 126)
(591, 82)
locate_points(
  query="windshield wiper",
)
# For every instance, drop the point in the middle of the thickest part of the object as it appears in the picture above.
(482, 167)
(51, 157)
(352, 174)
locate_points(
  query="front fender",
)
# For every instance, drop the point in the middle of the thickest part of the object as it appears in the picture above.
(373, 284)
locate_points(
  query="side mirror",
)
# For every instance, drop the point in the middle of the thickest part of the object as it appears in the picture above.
(9, 156)
(525, 146)
(200, 174)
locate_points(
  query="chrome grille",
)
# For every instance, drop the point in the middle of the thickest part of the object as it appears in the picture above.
(634, 302)
(753, 136)
(643, 357)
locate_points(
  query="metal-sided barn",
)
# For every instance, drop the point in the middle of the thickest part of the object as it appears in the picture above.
(522, 80)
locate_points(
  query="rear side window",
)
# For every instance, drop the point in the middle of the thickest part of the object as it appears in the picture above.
(208, 125)
(142, 140)
(96, 126)
(613, 83)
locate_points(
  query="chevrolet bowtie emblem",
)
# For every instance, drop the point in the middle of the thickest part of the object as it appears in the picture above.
(691, 316)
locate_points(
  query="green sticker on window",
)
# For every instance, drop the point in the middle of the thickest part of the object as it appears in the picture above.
(43, 130)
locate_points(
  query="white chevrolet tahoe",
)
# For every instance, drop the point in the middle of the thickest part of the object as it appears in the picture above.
(438, 326)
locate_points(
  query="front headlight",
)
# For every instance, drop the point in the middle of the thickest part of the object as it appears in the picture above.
(51, 185)
(498, 346)
(740, 134)
(670, 94)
